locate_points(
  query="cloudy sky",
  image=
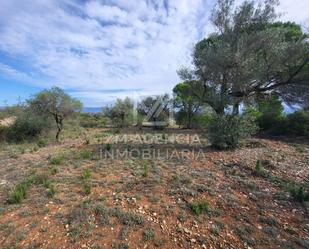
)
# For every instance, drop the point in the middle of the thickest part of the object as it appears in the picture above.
(98, 50)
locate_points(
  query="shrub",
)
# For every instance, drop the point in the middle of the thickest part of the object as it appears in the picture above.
(54, 170)
(86, 154)
(145, 170)
(26, 127)
(148, 234)
(199, 207)
(86, 184)
(3, 132)
(259, 169)
(17, 194)
(87, 174)
(51, 190)
(271, 110)
(91, 120)
(108, 147)
(299, 194)
(298, 123)
(57, 160)
(227, 131)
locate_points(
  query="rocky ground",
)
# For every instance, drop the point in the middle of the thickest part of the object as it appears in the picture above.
(75, 197)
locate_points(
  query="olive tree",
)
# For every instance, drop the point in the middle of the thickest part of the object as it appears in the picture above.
(249, 55)
(54, 103)
(155, 108)
(186, 102)
(121, 112)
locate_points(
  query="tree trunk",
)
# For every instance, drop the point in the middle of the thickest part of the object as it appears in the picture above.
(189, 123)
(219, 110)
(122, 120)
(59, 126)
(236, 109)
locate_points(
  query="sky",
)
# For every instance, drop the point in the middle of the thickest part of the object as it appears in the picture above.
(100, 50)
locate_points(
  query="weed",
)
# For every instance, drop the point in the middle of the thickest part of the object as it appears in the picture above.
(87, 174)
(54, 170)
(87, 187)
(13, 153)
(123, 234)
(148, 234)
(299, 194)
(86, 154)
(129, 218)
(302, 242)
(268, 220)
(215, 230)
(57, 160)
(271, 231)
(123, 246)
(259, 170)
(145, 170)
(24, 213)
(18, 193)
(41, 143)
(108, 147)
(199, 207)
(86, 184)
(158, 242)
(51, 191)
(182, 217)
(291, 230)
(244, 234)
(153, 199)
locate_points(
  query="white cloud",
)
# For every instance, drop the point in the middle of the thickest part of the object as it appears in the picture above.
(93, 46)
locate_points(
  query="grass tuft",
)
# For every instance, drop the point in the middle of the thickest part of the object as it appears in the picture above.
(199, 207)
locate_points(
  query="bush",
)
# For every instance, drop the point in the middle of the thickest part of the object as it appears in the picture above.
(57, 159)
(92, 120)
(227, 131)
(299, 194)
(86, 184)
(199, 207)
(27, 127)
(271, 113)
(3, 132)
(298, 123)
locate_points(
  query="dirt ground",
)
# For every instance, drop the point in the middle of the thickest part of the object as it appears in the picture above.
(196, 197)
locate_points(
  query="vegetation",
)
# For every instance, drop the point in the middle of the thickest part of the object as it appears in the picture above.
(54, 103)
(121, 113)
(227, 131)
(187, 103)
(199, 207)
(155, 109)
(87, 184)
(246, 74)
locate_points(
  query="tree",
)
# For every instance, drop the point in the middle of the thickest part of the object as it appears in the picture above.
(271, 112)
(249, 55)
(187, 102)
(121, 112)
(54, 103)
(154, 108)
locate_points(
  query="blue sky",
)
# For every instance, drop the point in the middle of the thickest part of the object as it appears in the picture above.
(100, 50)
